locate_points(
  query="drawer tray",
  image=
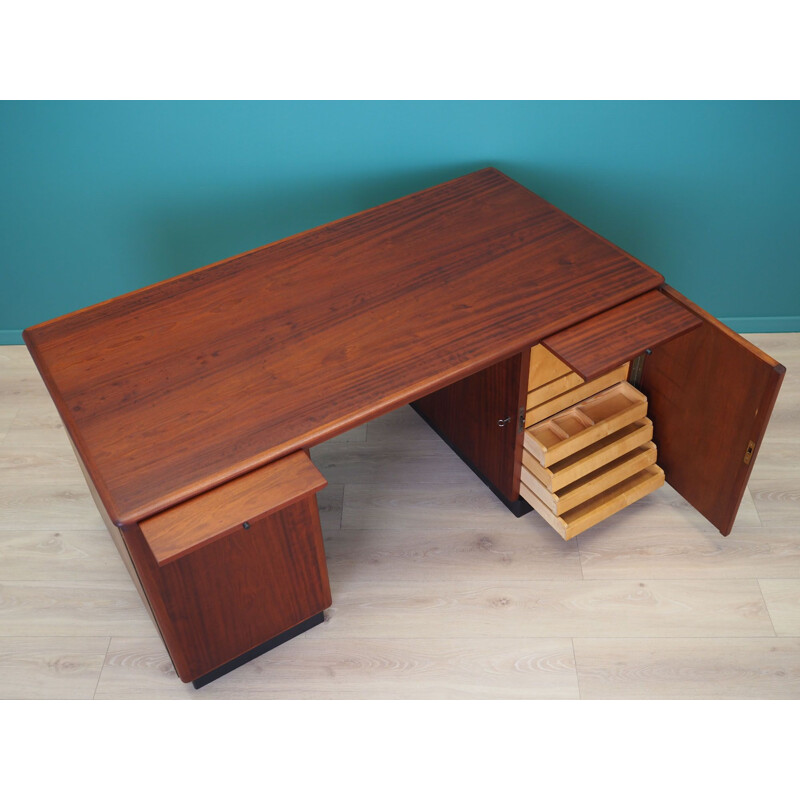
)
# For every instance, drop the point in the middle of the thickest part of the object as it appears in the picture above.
(600, 507)
(541, 394)
(595, 482)
(590, 458)
(587, 422)
(569, 398)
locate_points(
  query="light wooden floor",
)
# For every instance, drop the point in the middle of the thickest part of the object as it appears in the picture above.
(438, 591)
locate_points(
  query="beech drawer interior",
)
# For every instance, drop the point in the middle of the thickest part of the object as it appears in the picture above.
(587, 446)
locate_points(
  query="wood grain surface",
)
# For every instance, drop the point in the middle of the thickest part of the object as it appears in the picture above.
(572, 396)
(589, 421)
(590, 458)
(783, 601)
(601, 506)
(592, 484)
(710, 394)
(181, 386)
(223, 599)
(479, 418)
(689, 668)
(545, 368)
(605, 341)
(356, 668)
(197, 522)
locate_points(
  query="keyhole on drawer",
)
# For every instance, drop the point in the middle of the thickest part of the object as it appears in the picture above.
(503, 422)
(246, 525)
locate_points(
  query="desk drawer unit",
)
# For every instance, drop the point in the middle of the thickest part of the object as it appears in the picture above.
(615, 403)
(236, 570)
(594, 455)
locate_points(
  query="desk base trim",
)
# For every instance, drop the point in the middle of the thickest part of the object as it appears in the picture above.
(280, 639)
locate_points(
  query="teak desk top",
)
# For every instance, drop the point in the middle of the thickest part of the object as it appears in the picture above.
(171, 390)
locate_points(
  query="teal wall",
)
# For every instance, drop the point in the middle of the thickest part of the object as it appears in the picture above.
(98, 198)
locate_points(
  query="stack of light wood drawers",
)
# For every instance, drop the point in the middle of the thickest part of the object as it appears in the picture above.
(588, 449)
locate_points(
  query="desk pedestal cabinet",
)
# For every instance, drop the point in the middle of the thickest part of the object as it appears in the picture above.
(563, 371)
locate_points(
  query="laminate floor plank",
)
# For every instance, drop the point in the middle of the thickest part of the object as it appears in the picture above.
(12, 354)
(400, 426)
(688, 669)
(51, 668)
(41, 505)
(777, 499)
(37, 424)
(540, 608)
(359, 669)
(19, 385)
(62, 608)
(7, 414)
(423, 554)
(468, 505)
(666, 509)
(59, 556)
(690, 553)
(23, 466)
(408, 462)
(329, 502)
(783, 603)
(465, 506)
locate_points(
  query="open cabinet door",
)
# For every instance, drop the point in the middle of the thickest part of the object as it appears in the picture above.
(710, 396)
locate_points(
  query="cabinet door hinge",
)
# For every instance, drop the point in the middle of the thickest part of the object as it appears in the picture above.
(521, 423)
(637, 367)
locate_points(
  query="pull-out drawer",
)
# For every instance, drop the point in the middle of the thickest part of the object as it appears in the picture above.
(564, 399)
(594, 483)
(589, 459)
(602, 505)
(593, 454)
(585, 423)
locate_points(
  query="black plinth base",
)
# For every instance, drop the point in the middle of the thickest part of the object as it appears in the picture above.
(260, 650)
(519, 508)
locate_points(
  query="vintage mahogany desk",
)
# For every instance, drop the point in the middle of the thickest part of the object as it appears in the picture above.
(191, 404)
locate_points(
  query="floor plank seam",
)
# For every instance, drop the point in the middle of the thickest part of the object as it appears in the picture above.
(575, 666)
(766, 606)
(755, 506)
(102, 667)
